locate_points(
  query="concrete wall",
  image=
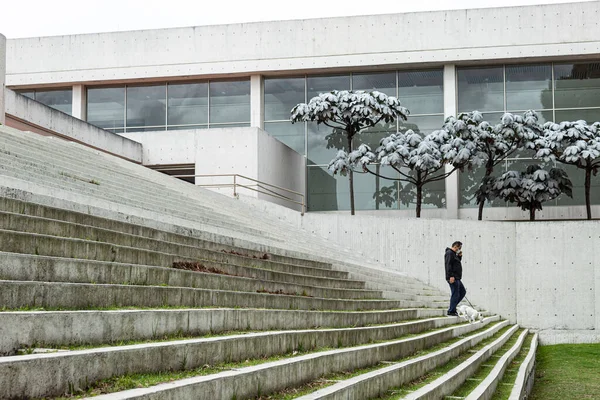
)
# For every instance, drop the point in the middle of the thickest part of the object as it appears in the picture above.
(543, 275)
(438, 37)
(37, 117)
(2, 75)
(245, 151)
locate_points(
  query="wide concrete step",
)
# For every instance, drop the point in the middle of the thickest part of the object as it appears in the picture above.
(51, 227)
(186, 237)
(80, 368)
(523, 382)
(26, 267)
(372, 384)
(52, 246)
(485, 390)
(72, 296)
(123, 196)
(56, 165)
(449, 382)
(27, 329)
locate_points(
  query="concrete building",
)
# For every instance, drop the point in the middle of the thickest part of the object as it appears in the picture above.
(216, 99)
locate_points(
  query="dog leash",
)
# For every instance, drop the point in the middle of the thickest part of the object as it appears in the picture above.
(469, 302)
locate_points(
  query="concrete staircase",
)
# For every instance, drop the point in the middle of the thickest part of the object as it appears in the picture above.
(120, 282)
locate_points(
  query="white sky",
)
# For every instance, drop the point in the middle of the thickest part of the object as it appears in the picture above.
(30, 18)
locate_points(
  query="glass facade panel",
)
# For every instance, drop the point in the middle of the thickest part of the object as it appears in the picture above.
(383, 82)
(146, 106)
(106, 107)
(421, 92)
(372, 136)
(184, 127)
(480, 89)
(30, 95)
(324, 84)
(424, 124)
(324, 143)
(529, 87)
(230, 102)
(187, 103)
(577, 85)
(590, 115)
(281, 95)
(292, 135)
(238, 125)
(577, 177)
(327, 192)
(61, 100)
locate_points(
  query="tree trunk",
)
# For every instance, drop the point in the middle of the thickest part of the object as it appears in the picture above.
(588, 184)
(532, 214)
(419, 194)
(350, 176)
(488, 171)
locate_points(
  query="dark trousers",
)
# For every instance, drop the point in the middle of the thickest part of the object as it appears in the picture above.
(458, 293)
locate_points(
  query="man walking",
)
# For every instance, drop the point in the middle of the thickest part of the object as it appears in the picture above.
(452, 261)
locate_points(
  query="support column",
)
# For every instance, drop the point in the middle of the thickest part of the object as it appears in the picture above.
(2, 76)
(80, 102)
(257, 103)
(450, 108)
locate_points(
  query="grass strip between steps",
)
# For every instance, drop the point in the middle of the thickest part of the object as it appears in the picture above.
(484, 370)
(331, 379)
(142, 380)
(506, 384)
(401, 391)
(179, 335)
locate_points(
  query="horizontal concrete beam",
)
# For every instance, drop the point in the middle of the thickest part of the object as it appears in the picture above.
(429, 38)
(20, 329)
(55, 123)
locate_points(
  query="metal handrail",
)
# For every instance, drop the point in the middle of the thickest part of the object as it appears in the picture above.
(259, 186)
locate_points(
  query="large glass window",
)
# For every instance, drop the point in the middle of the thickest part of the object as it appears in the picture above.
(230, 102)
(59, 99)
(281, 95)
(422, 92)
(106, 108)
(146, 107)
(529, 87)
(480, 89)
(187, 104)
(577, 85)
(558, 92)
(173, 106)
(384, 82)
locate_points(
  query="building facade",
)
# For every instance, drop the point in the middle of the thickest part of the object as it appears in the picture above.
(194, 97)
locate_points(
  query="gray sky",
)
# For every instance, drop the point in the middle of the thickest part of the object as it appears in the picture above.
(23, 18)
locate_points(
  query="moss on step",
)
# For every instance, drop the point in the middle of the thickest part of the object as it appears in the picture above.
(330, 379)
(133, 381)
(507, 382)
(399, 392)
(484, 370)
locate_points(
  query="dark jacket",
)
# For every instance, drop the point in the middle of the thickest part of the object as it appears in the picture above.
(453, 264)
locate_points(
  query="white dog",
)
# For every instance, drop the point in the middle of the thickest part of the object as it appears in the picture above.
(469, 314)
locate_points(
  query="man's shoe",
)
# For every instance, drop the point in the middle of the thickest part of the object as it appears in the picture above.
(454, 314)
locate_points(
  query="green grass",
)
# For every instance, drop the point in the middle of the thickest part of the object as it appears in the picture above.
(567, 371)
(507, 382)
(485, 368)
(401, 391)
